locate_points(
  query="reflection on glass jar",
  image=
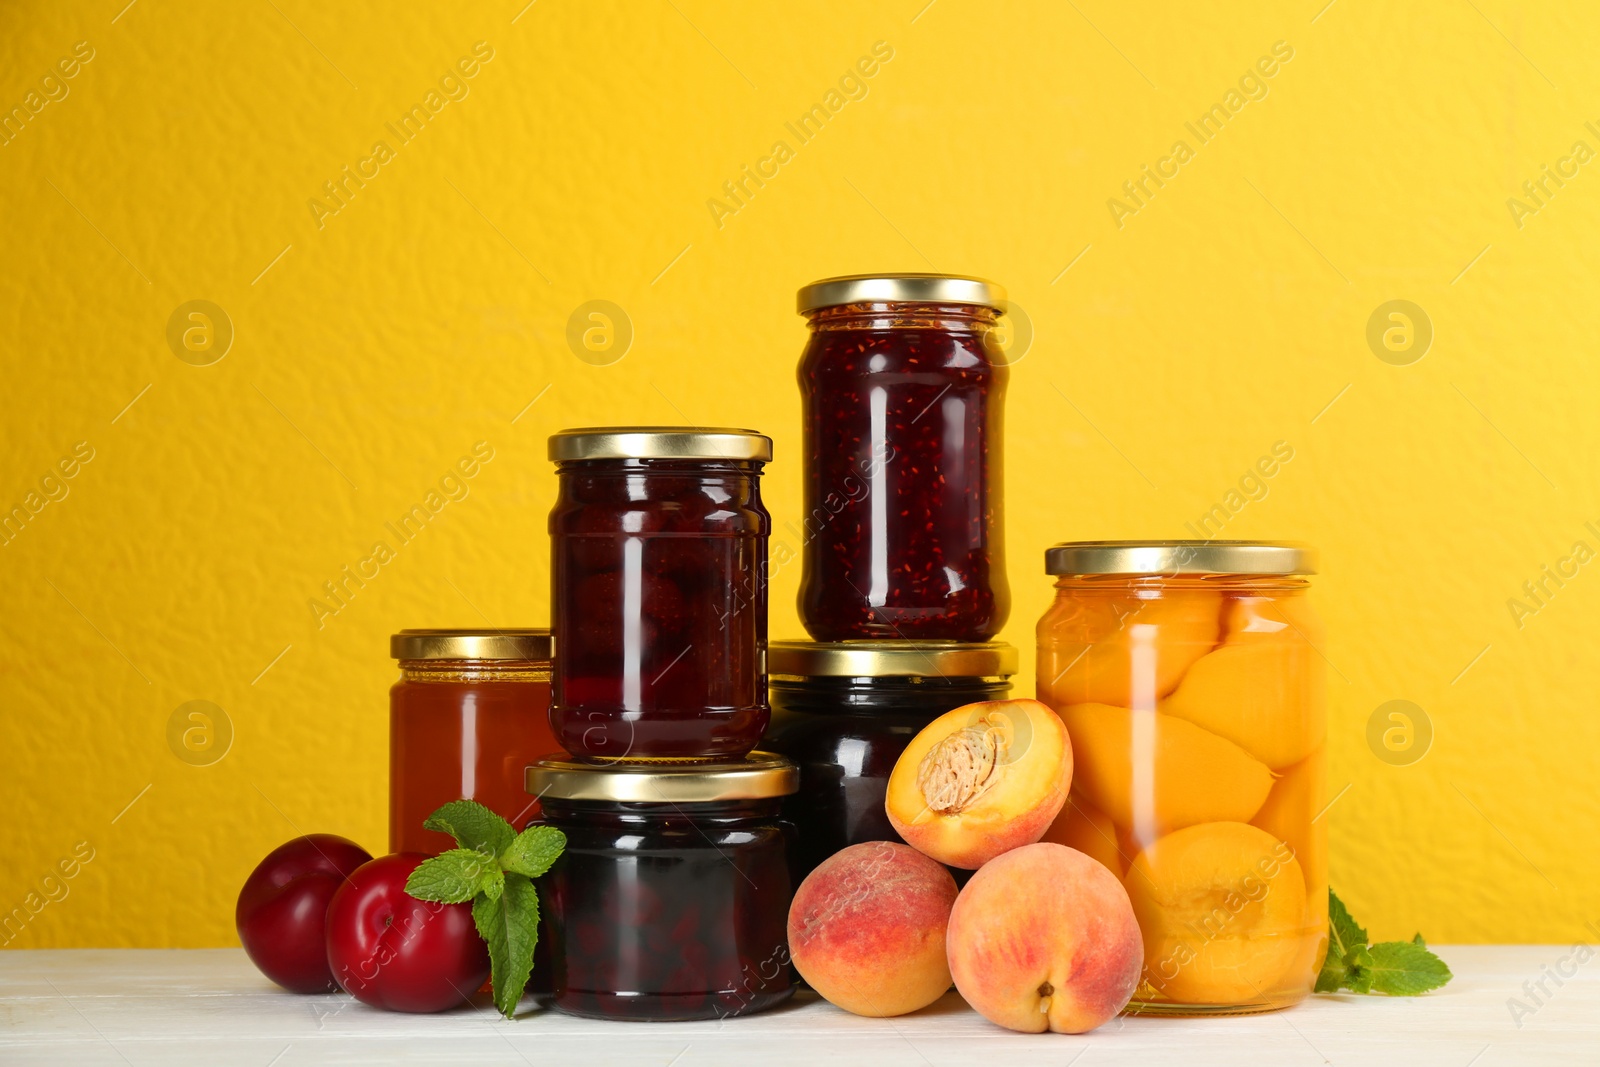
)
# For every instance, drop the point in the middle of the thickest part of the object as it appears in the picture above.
(470, 712)
(1190, 678)
(844, 712)
(671, 900)
(659, 592)
(903, 385)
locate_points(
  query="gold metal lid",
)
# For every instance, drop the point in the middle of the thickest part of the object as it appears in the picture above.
(659, 442)
(1181, 557)
(900, 289)
(513, 643)
(757, 776)
(878, 659)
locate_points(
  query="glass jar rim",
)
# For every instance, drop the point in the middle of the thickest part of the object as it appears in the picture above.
(757, 776)
(659, 442)
(902, 659)
(509, 643)
(900, 289)
(1267, 558)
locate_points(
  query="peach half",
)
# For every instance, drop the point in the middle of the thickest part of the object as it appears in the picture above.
(1044, 938)
(1186, 775)
(1086, 828)
(981, 780)
(1263, 687)
(867, 929)
(1223, 909)
(1123, 650)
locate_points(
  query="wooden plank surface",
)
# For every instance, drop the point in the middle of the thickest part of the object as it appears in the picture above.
(177, 1007)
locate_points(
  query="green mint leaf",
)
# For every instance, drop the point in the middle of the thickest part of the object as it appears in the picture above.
(1360, 976)
(1345, 932)
(1334, 972)
(1416, 939)
(534, 850)
(1405, 969)
(509, 925)
(473, 826)
(454, 876)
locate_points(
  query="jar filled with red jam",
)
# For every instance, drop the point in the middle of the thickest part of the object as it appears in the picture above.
(671, 899)
(470, 712)
(843, 712)
(658, 546)
(903, 382)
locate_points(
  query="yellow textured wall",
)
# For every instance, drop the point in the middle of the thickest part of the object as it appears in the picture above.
(1176, 340)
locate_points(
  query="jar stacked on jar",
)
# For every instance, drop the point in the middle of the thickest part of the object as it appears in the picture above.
(670, 899)
(902, 388)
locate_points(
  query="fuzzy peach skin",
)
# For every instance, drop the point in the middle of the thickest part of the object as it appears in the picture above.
(981, 780)
(867, 929)
(1044, 938)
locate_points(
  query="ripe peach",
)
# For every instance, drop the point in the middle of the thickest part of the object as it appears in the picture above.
(1194, 775)
(1043, 938)
(1086, 828)
(980, 780)
(1123, 650)
(867, 929)
(1223, 909)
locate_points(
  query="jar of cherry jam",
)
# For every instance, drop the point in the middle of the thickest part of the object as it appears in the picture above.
(903, 383)
(671, 900)
(843, 712)
(470, 712)
(658, 547)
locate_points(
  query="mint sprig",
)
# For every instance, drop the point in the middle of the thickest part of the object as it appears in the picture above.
(495, 868)
(1394, 968)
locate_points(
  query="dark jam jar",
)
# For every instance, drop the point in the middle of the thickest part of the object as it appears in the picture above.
(470, 712)
(671, 900)
(844, 713)
(903, 383)
(658, 545)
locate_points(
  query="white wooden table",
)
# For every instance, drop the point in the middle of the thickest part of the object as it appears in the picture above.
(94, 1006)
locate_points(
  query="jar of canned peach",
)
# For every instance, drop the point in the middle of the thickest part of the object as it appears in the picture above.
(1190, 678)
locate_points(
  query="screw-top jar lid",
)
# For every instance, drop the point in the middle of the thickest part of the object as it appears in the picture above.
(900, 289)
(516, 643)
(1181, 557)
(757, 776)
(902, 659)
(659, 442)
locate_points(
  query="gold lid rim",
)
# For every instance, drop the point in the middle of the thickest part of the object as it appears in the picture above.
(510, 643)
(758, 776)
(892, 659)
(659, 442)
(1261, 558)
(911, 288)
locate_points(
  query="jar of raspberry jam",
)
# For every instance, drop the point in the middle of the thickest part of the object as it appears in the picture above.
(903, 383)
(658, 547)
(470, 712)
(844, 712)
(671, 900)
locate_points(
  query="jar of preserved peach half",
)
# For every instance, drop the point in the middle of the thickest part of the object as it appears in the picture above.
(1190, 678)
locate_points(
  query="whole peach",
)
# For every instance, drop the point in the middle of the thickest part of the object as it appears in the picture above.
(867, 929)
(1043, 937)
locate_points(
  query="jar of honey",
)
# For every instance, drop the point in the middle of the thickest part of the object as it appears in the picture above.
(658, 548)
(902, 384)
(470, 712)
(1190, 678)
(843, 712)
(671, 899)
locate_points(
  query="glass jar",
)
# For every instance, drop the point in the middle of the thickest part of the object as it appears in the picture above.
(470, 712)
(658, 550)
(1190, 678)
(844, 712)
(671, 900)
(903, 382)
